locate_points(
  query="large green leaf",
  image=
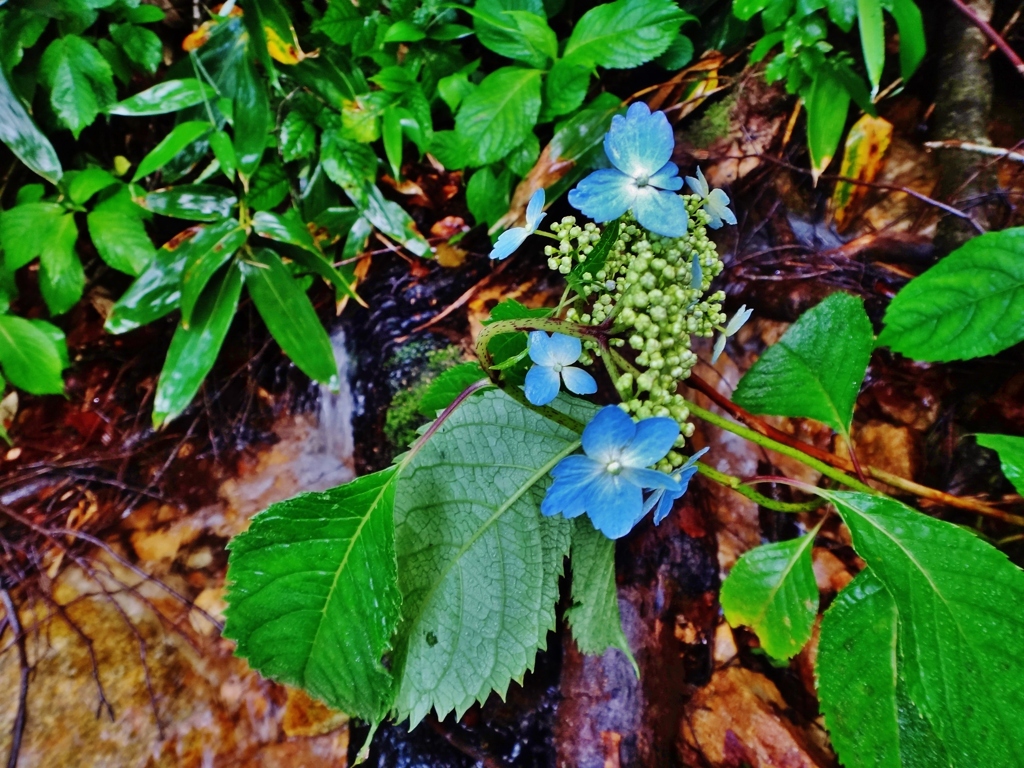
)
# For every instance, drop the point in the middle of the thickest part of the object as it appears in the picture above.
(195, 202)
(289, 316)
(443, 390)
(827, 102)
(624, 34)
(313, 593)
(515, 32)
(1011, 456)
(499, 114)
(391, 219)
(141, 45)
(194, 350)
(968, 305)
(32, 360)
(872, 38)
(594, 614)
(156, 292)
(863, 694)
(168, 96)
(25, 230)
(23, 138)
(912, 38)
(80, 80)
(205, 254)
(117, 231)
(251, 109)
(180, 137)
(772, 590)
(477, 564)
(961, 630)
(815, 370)
(61, 277)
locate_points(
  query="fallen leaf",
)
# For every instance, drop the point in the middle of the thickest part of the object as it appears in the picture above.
(863, 158)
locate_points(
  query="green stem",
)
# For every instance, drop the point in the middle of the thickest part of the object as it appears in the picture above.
(527, 324)
(734, 483)
(785, 450)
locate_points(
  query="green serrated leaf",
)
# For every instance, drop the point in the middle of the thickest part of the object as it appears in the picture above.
(194, 350)
(772, 590)
(1011, 456)
(25, 230)
(268, 188)
(80, 80)
(168, 96)
(842, 12)
(141, 45)
(313, 599)
(449, 385)
(960, 625)
(816, 369)
(477, 564)
(863, 694)
(30, 357)
(23, 138)
(298, 136)
(594, 614)
(516, 32)
(624, 34)
(289, 316)
(487, 195)
(968, 305)
(499, 114)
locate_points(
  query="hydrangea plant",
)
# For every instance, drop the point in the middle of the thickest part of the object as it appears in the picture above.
(434, 582)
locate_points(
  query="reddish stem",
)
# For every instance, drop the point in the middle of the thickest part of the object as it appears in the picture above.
(989, 31)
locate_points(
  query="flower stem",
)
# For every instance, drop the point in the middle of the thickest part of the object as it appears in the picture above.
(735, 484)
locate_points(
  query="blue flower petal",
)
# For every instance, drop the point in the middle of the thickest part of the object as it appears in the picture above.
(654, 438)
(667, 178)
(542, 384)
(717, 207)
(699, 185)
(563, 498)
(613, 505)
(604, 195)
(582, 468)
(640, 143)
(663, 213)
(573, 475)
(668, 500)
(565, 350)
(578, 381)
(649, 479)
(508, 241)
(541, 351)
(607, 434)
(535, 210)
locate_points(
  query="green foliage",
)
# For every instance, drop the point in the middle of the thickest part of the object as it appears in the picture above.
(958, 632)
(1011, 456)
(594, 614)
(443, 390)
(626, 33)
(772, 590)
(816, 369)
(968, 305)
(313, 596)
(824, 75)
(32, 354)
(468, 534)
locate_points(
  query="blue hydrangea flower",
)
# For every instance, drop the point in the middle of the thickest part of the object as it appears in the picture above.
(511, 239)
(731, 329)
(607, 481)
(716, 202)
(553, 357)
(662, 500)
(639, 146)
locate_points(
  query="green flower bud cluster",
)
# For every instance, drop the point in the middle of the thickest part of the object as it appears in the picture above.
(646, 291)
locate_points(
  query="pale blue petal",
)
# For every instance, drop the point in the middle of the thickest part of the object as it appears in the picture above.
(508, 241)
(667, 178)
(613, 505)
(663, 213)
(541, 385)
(651, 501)
(696, 273)
(695, 458)
(563, 498)
(665, 505)
(719, 348)
(649, 479)
(738, 320)
(578, 381)
(541, 351)
(582, 469)
(565, 350)
(604, 195)
(640, 143)
(699, 185)
(608, 434)
(535, 211)
(717, 207)
(654, 438)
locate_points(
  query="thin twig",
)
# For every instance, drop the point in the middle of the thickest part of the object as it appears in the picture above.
(18, 729)
(991, 34)
(981, 149)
